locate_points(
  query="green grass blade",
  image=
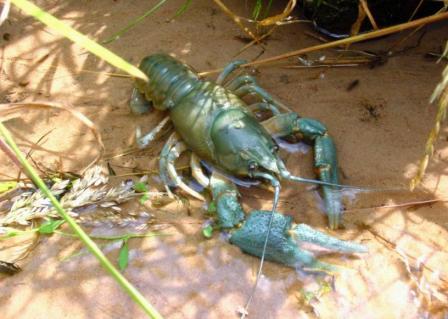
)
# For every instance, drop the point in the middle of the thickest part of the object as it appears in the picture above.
(107, 265)
(133, 23)
(268, 8)
(257, 9)
(123, 256)
(78, 38)
(182, 9)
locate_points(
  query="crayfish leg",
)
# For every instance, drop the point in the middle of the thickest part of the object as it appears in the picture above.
(225, 195)
(229, 69)
(138, 103)
(325, 159)
(171, 151)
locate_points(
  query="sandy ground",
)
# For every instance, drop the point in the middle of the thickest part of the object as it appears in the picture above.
(380, 128)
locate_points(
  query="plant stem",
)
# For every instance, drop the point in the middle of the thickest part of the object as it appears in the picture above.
(117, 237)
(119, 278)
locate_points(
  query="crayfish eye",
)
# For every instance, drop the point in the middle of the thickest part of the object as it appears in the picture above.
(253, 166)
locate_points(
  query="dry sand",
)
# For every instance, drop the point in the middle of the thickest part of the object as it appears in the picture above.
(380, 128)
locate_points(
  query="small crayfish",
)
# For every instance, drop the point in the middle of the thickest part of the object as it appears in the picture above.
(213, 122)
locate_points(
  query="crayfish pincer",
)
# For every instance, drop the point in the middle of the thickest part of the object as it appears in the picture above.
(212, 121)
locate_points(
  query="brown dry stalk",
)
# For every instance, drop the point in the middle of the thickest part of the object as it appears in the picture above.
(366, 9)
(440, 94)
(349, 40)
(357, 25)
(236, 19)
(429, 148)
(279, 17)
(14, 110)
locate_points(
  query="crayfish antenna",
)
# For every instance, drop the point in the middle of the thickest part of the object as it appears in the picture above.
(276, 184)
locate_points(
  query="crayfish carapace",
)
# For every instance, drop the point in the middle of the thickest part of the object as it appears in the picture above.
(212, 120)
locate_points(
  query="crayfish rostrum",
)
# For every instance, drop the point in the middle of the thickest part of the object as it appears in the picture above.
(212, 120)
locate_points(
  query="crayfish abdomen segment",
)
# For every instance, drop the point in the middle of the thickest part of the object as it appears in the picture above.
(169, 80)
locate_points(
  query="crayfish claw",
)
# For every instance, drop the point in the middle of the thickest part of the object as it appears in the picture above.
(284, 248)
(304, 233)
(225, 195)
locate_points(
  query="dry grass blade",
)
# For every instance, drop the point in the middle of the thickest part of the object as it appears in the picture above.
(279, 17)
(14, 110)
(440, 94)
(236, 19)
(16, 249)
(357, 38)
(356, 26)
(365, 6)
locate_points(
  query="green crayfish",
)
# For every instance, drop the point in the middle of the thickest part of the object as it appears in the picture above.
(212, 120)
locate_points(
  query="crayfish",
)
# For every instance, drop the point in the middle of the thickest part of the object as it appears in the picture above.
(213, 122)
